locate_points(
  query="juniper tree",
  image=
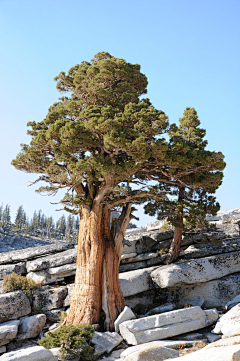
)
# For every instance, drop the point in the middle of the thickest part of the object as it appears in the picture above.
(191, 184)
(100, 142)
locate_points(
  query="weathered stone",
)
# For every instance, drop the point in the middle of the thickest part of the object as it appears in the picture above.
(211, 317)
(233, 302)
(166, 343)
(53, 260)
(211, 337)
(69, 295)
(128, 255)
(8, 269)
(54, 315)
(36, 353)
(152, 226)
(160, 309)
(47, 298)
(209, 249)
(222, 214)
(140, 257)
(135, 282)
(165, 325)
(32, 252)
(135, 230)
(152, 353)
(197, 271)
(224, 342)
(53, 274)
(125, 315)
(107, 340)
(8, 330)
(229, 324)
(31, 326)
(3, 349)
(13, 305)
(126, 267)
(216, 293)
(192, 336)
(227, 353)
(145, 298)
(4, 342)
(115, 356)
(197, 302)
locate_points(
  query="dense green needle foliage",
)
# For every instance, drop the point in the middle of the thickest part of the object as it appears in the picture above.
(100, 137)
(190, 184)
(73, 340)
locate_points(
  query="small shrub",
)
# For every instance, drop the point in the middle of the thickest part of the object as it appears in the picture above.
(216, 242)
(37, 311)
(180, 306)
(162, 251)
(200, 344)
(15, 282)
(62, 317)
(73, 340)
(180, 346)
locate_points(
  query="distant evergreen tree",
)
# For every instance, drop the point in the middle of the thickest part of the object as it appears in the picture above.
(19, 220)
(62, 226)
(1, 212)
(6, 214)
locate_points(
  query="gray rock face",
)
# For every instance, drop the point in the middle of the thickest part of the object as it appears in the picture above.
(166, 343)
(125, 315)
(166, 325)
(25, 253)
(31, 326)
(8, 330)
(229, 324)
(106, 341)
(209, 249)
(152, 353)
(140, 257)
(155, 225)
(67, 300)
(160, 309)
(54, 260)
(229, 353)
(197, 271)
(13, 305)
(6, 270)
(36, 353)
(222, 214)
(47, 298)
(54, 274)
(2, 349)
(216, 293)
(54, 315)
(233, 302)
(135, 282)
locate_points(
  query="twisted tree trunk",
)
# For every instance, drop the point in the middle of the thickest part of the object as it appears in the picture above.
(96, 282)
(177, 238)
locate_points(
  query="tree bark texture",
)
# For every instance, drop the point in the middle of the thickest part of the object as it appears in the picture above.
(177, 238)
(96, 283)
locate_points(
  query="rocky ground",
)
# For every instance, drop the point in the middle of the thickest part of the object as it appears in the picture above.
(190, 309)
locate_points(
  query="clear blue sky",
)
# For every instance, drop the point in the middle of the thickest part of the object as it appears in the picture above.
(189, 50)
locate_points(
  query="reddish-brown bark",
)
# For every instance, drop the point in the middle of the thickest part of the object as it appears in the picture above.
(96, 283)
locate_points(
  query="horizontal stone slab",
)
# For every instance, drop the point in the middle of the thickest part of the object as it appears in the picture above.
(54, 274)
(166, 325)
(135, 282)
(216, 293)
(13, 305)
(224, 353)
(53, 260)
(140, 257)
(47, 298)
(197, 271)
(35, 353)
(8, 269)
(32, 252)
(8, 330)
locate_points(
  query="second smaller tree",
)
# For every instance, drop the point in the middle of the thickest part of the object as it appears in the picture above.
(190, 183)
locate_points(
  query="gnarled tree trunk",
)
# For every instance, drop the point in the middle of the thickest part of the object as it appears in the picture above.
(96, 282)
(177, 238)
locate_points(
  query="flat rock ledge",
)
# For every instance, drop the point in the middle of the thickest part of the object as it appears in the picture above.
(197, 271)
(166, 325)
